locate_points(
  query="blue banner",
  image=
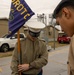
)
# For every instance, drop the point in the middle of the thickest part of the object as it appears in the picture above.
(19, 14)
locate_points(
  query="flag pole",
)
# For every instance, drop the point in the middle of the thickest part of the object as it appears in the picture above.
(19, 48)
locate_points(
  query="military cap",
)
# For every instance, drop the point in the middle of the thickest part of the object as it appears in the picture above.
(60, 6)
(34, 25)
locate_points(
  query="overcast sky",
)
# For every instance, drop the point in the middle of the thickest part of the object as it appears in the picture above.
(38, 6)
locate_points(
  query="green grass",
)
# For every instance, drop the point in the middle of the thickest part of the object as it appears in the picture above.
(2, 54)
(56, 44)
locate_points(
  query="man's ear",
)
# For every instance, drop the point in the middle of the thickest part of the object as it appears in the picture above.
(66, 12)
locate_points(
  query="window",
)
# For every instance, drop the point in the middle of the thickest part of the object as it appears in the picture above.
(21, 36)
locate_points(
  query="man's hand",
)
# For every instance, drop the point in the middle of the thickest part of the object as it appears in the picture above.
(23, 67)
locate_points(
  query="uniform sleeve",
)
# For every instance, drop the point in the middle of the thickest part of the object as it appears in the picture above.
(42, 60)
(71, 54)
(14, 62)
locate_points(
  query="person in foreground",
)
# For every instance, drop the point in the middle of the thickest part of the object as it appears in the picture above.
(34, 52)
(64, 15)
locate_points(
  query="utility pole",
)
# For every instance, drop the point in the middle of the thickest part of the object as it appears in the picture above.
(53, 21)
(54, 36)
(42, 17)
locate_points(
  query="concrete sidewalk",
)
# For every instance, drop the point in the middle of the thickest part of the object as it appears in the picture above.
(57, 62)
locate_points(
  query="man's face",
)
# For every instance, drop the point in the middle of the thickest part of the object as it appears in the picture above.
(34, 34)
(66, 21)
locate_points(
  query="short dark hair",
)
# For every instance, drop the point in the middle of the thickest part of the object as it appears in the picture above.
(66, 4)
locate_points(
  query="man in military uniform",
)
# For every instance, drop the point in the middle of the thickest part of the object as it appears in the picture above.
(34, 52)
(64, 14)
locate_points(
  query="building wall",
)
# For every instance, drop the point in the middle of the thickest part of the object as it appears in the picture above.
(4, 27)
(48, 33)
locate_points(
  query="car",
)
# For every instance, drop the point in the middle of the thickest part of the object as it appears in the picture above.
(7, 43)
(63, 39)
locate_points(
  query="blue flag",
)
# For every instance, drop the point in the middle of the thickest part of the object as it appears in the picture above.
(19, 14)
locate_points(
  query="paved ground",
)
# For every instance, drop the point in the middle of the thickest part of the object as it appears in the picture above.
(56, 65)
(57, 62)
